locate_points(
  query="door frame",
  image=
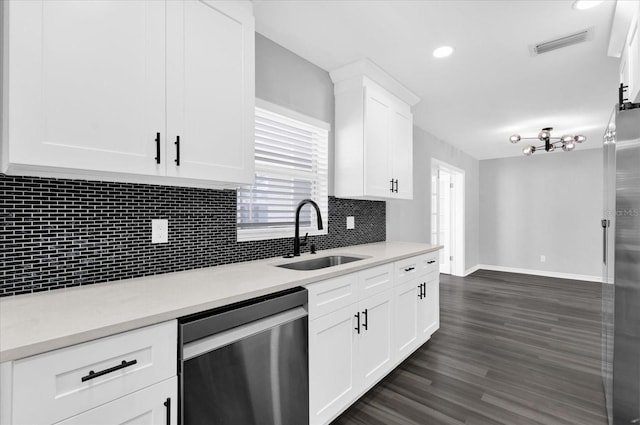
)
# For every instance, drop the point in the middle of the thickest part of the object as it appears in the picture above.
(457, 213)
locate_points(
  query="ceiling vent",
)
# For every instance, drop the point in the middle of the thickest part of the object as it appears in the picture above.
(559, 43)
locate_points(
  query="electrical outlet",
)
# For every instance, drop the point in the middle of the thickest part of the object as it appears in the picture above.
(543, 258)
(159, 231)
(351, 222)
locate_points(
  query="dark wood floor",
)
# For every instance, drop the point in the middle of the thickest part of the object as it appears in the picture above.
(511, 349)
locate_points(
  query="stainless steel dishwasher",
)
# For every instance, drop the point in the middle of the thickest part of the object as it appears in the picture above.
(246, 363)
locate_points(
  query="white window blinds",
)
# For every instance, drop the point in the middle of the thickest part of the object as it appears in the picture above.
(291, 165)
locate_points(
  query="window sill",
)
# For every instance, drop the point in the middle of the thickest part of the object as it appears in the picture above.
(267, 234)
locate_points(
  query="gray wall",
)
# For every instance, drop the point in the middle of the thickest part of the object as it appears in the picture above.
(286, 79)
(547, 204)
(410, 220)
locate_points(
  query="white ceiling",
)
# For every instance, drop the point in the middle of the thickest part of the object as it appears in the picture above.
(491, 87)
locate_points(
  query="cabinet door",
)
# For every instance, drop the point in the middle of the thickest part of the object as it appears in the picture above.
(401, 154)
(377, 125)
(429, 311)
(374, 346)
(633, 51)
(210, 90)
(332, 346)
(149, 406)
(405, 324)
(623, 71)
(86, 86)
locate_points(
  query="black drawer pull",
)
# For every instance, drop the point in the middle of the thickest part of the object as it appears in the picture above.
(420, 293)
(365, 324)
(157, 148)
(167, 404)
(431, 262)
(424, 290)
(122, 365)
(408, 269)
(396, 186)
(357, 316)
(177, 143)
(391, 185)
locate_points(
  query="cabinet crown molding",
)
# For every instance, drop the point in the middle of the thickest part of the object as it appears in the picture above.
(366, 68)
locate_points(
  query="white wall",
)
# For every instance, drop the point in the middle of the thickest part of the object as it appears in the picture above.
(287, 80)
(410, 220)
(548, 204)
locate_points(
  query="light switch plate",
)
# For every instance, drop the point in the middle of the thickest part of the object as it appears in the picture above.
(351, 222)
(159, 231)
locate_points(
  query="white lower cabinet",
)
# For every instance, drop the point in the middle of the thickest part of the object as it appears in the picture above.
(373, 349)
(406, 318)
(364, 324)
(155, 405)
(429, 310)
(123, 378)
(349, 349)
(332, 359)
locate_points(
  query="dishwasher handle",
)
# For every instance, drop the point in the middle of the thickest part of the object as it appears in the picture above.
(211, 322)
(213, 342)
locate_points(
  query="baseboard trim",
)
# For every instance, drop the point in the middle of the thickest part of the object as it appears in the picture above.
(471, 270)
(585, 277)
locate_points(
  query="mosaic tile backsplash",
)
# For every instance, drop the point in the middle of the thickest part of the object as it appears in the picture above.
(59, 233)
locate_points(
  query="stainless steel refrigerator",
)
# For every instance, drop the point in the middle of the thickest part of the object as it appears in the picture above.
(621, 266)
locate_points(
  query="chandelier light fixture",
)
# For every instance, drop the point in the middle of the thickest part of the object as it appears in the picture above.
(566, 142)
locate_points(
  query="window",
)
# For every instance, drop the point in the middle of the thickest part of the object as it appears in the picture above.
(291, 165)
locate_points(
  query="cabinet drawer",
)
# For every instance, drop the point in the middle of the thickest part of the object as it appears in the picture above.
(429, 263)
(66, 382)
(409, 268)
(332, 294)
(375, 280)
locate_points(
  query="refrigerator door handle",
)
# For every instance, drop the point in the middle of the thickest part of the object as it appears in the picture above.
(604, 240)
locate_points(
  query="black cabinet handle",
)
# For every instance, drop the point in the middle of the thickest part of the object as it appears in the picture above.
(420, 291)
(365, 324)
(167, 404)
(391, 186)
(396, 186)
(431, 262)
(177, 143)
(157, 148)
(122, 365)
(424, 290)
(408, 269)
(357, 316)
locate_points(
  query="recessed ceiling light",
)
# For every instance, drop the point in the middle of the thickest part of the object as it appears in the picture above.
(443, 52)
(586, 4)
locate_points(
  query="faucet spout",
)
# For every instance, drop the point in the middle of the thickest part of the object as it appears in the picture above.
(296, 238)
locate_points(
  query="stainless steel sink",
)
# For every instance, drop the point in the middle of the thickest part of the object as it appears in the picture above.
(320, 262)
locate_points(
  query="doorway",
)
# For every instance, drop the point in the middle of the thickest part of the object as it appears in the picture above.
(447, 215)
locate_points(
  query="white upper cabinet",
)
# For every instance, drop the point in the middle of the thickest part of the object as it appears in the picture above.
(210, 90)
(377, 126)
(82, 94)
(633, 59)
(374, 134)
(104, 89)
(624, 42)
(401, 156)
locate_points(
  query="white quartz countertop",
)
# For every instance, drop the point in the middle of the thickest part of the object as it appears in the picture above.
(35, 323)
